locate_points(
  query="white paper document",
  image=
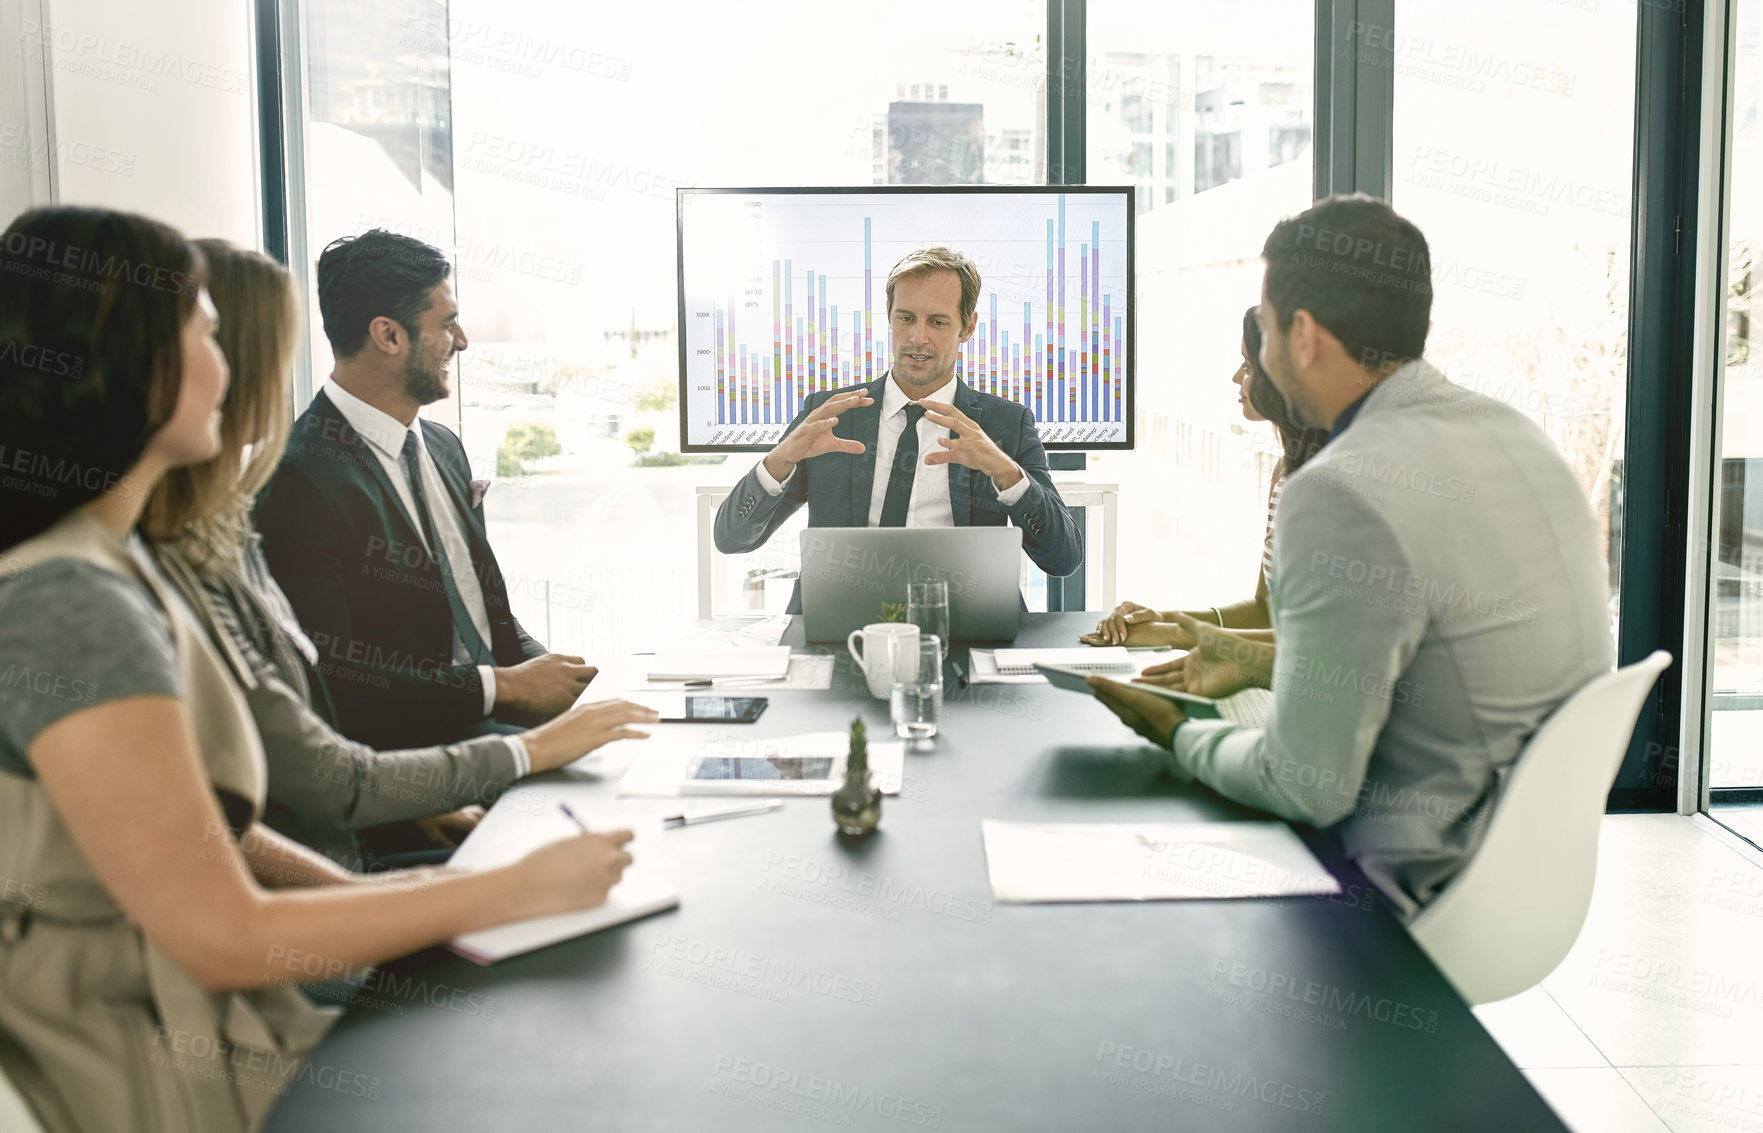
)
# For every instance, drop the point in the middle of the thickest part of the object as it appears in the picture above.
(1037, 862)
(660, 767)
(763, 662)
(508, 834)
(809, 672)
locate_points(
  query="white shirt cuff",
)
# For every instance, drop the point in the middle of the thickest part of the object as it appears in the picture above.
(523, 763)
(487, 674)
(772, 485)
(1009, 496)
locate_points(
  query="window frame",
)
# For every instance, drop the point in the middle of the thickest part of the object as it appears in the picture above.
(1671, 431)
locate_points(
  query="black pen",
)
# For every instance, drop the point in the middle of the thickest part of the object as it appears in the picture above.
(960, 674)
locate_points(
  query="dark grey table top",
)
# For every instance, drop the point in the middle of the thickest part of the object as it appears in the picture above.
(804, 982)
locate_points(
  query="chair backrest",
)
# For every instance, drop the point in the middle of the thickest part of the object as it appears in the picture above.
(1510, 916)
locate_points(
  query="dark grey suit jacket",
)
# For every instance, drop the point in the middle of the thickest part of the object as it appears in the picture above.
(836, 486)
(350, 560)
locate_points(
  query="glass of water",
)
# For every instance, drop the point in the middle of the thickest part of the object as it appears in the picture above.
(927, 607)
(916, 702)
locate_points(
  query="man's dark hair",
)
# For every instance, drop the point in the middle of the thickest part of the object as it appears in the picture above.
(93, 304)
(376, 273)
(1300, 441)
(1362, 272)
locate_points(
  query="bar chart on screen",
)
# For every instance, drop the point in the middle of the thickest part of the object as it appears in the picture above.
(783, 295)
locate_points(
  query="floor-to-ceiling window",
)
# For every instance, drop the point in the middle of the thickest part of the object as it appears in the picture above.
(1206, 109)
(574, 127)
(1513, 150)
(378, 136)
(1734, 667)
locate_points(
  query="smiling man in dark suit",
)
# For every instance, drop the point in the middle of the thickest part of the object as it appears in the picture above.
(371, 528)
(872, 455)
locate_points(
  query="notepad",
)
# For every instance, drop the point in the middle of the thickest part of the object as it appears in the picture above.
(1042, 862)
(767, 662)
(1017, 666)
(510, 833)
(1088, 658)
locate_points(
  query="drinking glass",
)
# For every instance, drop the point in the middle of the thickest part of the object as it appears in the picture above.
(927, 607)
(916, 702)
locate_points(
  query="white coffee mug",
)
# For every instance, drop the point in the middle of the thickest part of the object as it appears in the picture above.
(890, 651)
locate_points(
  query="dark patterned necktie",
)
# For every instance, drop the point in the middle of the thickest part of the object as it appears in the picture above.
(463, 627)
(899, 498)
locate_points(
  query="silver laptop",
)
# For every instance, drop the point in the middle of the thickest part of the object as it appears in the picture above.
(848, 572)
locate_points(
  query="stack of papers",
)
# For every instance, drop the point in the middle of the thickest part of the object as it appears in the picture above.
(506, 835)
(765, 631)
(1036, 862)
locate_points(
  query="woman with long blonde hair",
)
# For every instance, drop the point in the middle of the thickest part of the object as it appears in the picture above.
(323, 787)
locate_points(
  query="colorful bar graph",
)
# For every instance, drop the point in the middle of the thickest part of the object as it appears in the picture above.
(814, 348)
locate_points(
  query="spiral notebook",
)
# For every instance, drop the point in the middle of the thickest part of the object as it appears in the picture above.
(1085, 658)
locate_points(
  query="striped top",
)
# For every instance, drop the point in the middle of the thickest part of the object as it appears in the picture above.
(1279, 480)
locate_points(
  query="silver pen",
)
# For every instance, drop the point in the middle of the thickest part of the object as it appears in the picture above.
(728, 682)
(688, 817)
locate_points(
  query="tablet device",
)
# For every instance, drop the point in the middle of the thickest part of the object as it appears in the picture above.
(714, 709)
(759, 769)
(1075, 680)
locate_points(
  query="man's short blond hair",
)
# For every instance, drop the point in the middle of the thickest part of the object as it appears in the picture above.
(928, 261)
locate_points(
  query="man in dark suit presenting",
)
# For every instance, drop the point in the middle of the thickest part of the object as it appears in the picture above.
(371, 528)
(873, 456)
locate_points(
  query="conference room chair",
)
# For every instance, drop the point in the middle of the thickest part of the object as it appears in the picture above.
(1510, 916)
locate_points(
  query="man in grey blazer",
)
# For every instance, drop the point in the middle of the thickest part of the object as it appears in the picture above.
(850, 456)
(1438, 586)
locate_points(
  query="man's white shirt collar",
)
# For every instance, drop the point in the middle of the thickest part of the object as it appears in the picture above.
(381, 429)
(894, 398)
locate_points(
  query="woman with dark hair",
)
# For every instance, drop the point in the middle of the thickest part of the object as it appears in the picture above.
(324, 788)
(1251, 621)
(145, 974)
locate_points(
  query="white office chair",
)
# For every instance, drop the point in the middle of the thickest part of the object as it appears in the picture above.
(15, 1115)
(1509, 917)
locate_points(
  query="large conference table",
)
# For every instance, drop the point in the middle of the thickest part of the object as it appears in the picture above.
(805, 981)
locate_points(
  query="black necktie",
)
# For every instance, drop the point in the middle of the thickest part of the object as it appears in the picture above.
(463, 627)
(899, 497)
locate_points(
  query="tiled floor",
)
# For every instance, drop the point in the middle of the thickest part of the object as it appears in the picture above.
(1654, 1022)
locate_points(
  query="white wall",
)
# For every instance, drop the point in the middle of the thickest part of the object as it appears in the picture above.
(24, 173)
(154, 107)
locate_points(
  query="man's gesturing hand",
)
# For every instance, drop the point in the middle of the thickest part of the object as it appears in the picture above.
(814, 435)
(970, 446)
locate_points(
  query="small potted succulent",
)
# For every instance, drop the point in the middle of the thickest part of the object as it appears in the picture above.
(893, 611)
(857, 804)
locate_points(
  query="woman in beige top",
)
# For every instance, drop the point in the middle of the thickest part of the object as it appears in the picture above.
(145, 973)
(1232, 645)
